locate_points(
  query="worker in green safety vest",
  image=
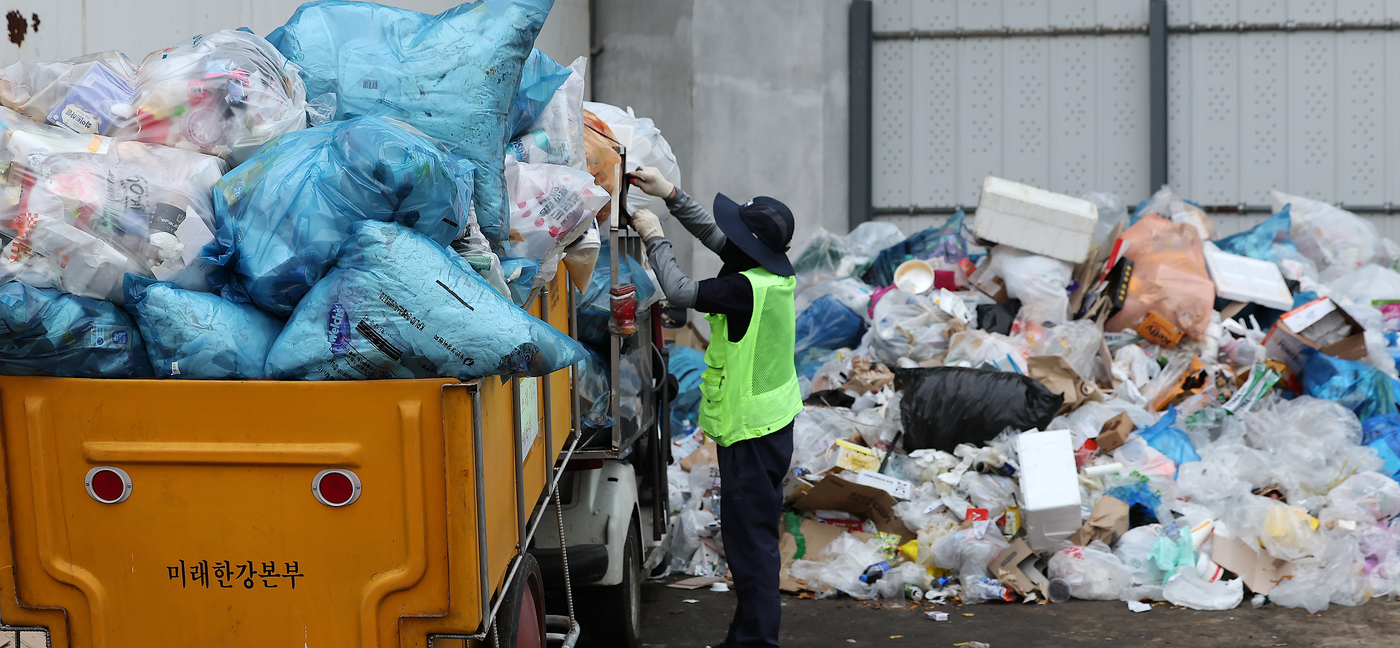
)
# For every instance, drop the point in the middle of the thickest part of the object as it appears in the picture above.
(750, 389)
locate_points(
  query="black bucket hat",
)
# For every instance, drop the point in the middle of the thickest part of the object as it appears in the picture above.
(761, 227)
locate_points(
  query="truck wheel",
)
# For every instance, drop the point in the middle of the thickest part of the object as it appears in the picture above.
(520, 622)
(612, 615)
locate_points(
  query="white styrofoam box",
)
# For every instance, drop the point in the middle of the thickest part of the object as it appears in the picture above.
(1049, 487)
(1036, 220)
(1242, 279)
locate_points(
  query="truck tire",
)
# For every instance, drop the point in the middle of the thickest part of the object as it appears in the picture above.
(520, 622)
(612, 615)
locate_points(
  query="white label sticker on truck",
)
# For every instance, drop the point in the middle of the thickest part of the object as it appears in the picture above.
(529, 414)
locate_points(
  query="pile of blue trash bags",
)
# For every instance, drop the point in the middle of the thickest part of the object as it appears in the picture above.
(364, 229)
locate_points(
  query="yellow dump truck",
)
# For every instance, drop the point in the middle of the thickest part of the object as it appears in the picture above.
(372, 514)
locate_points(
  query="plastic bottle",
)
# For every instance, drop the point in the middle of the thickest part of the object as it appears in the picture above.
(874, 572)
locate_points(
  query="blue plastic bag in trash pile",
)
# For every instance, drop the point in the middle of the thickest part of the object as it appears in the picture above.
(594, 390)
(198, 335)
(1383, 433)
(1358, 386)
(452, 75)
(828, 324)
(686, 364)
(1170, 441)
(398, 305)
(539, 81)
(282, 214)
(595, 306)
(44, 332)
(946, 243)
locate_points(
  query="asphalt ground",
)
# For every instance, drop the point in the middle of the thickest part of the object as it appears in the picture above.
(669, 621)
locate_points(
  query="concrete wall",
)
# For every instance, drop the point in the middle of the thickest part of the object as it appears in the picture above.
(751, 96)
(59, 29)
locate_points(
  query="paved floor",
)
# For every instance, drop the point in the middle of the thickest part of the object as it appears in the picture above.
(669, 622)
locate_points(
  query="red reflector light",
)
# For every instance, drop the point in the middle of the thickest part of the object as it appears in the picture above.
(336, 487)
(108, 484)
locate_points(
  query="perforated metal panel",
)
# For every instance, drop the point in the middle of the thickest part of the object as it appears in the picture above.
(1305, 112)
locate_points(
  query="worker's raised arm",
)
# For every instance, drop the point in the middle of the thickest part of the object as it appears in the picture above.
(680, 289)
(699, 222)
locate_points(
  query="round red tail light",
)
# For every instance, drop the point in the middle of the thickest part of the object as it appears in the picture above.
(336, 487)
(108, 484)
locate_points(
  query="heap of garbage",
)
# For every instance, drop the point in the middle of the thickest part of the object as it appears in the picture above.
(368, 192)
(1063, 400)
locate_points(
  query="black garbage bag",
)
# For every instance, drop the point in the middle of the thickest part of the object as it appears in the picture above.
(945, 406)
(998, 318)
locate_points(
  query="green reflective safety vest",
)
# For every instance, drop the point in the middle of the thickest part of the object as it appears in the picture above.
(750, 387)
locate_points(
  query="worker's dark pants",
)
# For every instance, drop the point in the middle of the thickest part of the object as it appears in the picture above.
(751, 504)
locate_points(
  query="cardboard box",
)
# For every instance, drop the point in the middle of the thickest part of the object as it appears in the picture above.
(1015, 567)
(989, 283)
(899, 488)
(1294, 338)
(1108, 523)
(708, 453)
(1260, 570)
(1049, 487)
(1115, 433)
(1036, 220)
(1159, 330)
(852, 457)
(814, 536)
(1242, 279)
(836, 494)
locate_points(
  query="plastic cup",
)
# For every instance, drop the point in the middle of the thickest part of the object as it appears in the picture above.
(1059, 590)
(914, 275)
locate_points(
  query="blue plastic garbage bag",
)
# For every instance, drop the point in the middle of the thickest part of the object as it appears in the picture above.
(397, 305)
(686, 364)
(541, 78)
(520, 277)
(44, 332)
(1170, 441)
(1136, 495)
(1383, 433)
(595, 306)
(946, 243)
(808, 363)
(1263, 240)
(828, 324)
(452, 75)
(198, 335)
(1357, 386)
(282, 214)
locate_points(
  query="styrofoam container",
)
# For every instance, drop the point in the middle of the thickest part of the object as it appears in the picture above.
(1242, 279)
(1036, 220)
(1049, 487)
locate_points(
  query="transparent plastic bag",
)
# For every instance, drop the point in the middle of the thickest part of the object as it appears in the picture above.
(992, 492)
(199, 336)
(1365, 497)
(870, 237)
(821, 257)
(556, 137)
(970, 553)
(1093, 572)
(1112, 211)
(284, 213)
(594, 390)
(1167, 204)
(973, 348)
(1366, 285)
(397, 305)
(1328, 575)
(1189, 590)
(1134, 549)
(1029, 277)
(452, 75)
(550, 207)
(1169, 277)
(645, 147)
(907, 327)
(1077, 341)
(851, 292)
(224, 94)
(1331, 237)
(79, 93)
(49, 333)
(85, 210)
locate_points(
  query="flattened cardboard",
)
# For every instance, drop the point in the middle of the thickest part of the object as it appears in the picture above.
(1108, 523)
(1015, 567)
(1260, 570)
(816, 536)
(708, 453)
(836, 494)
(1288, 340)
(1115, 433)
(695, 582)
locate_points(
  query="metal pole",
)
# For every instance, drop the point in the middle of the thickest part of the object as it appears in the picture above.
(1157, 80)
(860, 124)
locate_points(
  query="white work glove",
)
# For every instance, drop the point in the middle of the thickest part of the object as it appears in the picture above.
(650, 180)
(646, 224)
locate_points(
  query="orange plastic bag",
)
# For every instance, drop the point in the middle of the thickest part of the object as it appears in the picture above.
(598, 143)
(1169, 277)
